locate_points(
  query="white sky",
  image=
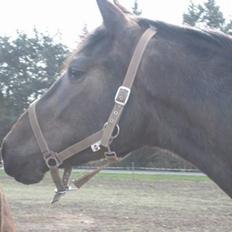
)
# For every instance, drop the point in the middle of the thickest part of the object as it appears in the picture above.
(68, 16)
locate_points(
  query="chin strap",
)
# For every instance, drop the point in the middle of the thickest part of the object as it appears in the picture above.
(65, 183)
(79, 182)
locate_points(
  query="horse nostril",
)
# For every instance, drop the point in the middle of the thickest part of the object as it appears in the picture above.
(1, 161)
(2, 150)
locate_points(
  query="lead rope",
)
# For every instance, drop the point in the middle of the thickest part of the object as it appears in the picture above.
(84, 179)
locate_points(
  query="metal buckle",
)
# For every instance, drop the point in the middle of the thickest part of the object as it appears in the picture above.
(96, 146)
(122, 95)
(59, 194)
(110, 155)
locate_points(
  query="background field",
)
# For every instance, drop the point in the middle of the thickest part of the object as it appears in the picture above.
(123, 202)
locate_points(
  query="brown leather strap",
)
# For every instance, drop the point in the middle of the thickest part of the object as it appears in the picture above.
(79, 146)
(57, 179)
(126, 86)
(41, 141)
(47, 153)
(68, 152)
(66, 175)
(84, 179)
(137, 57)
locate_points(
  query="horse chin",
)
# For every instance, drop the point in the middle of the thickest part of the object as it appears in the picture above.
(24, 174)
(29, 179)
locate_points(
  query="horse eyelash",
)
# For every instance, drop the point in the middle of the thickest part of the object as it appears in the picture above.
(75, 73)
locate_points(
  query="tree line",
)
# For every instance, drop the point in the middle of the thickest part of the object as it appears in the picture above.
(30, 63)
(28, 66)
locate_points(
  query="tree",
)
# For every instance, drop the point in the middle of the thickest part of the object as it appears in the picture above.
(193, 15)
(84, 33)
(208, 15)
(135, 8)
(28, 66)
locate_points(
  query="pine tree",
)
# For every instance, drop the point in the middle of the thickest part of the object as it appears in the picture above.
(28, 66)
(84, 33)
(193, 15)
(213, 16)
(135, 8)
(208, 15)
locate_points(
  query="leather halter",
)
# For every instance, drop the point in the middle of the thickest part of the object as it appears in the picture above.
(100, 140)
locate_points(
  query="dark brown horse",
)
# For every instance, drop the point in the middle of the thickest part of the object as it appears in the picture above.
(181, 99)
(6, 221)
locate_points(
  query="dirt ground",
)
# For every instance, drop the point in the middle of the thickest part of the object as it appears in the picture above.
(123, 204)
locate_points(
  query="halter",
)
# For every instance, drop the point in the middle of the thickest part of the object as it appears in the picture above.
(99, 141)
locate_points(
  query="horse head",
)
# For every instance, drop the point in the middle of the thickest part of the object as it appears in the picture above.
(79, 102)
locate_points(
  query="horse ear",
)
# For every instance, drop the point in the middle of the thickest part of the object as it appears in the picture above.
(113, 17)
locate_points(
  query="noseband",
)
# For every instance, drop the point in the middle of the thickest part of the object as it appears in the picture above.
(99, 141)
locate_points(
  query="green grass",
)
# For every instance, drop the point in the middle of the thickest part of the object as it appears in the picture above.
(138, 177)
(45, 188)
(122, 202)
(150, 177)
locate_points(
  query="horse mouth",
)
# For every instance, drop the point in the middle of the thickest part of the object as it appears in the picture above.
(28, 179)
(24, 175)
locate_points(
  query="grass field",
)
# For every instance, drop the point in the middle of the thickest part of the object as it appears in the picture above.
(123, 202)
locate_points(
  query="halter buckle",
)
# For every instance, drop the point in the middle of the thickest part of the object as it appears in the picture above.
(96, 146)
(110, 155)
(122, 95)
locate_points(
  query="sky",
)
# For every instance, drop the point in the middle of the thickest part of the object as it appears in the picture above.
(66, 18)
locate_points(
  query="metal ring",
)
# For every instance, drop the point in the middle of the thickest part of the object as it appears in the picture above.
(117, 132)
(51, 160)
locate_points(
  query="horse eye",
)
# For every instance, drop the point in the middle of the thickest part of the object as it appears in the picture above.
(75, 73)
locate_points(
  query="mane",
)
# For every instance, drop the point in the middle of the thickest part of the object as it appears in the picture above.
(183, 34)
(86, 44)
(189, 34)
(91, 39)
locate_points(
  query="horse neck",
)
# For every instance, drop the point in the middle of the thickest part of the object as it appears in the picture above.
(186, 107)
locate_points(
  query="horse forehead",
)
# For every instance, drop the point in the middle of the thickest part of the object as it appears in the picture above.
(91, 43)
(97, 46)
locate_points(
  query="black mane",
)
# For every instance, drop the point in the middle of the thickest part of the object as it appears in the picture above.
(194, 38)
(189, 34)
(93, 38)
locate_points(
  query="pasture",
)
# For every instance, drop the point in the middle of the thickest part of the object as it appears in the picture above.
(123, 202)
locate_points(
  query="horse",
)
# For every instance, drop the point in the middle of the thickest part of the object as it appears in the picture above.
(180, 99)
(6, 221)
